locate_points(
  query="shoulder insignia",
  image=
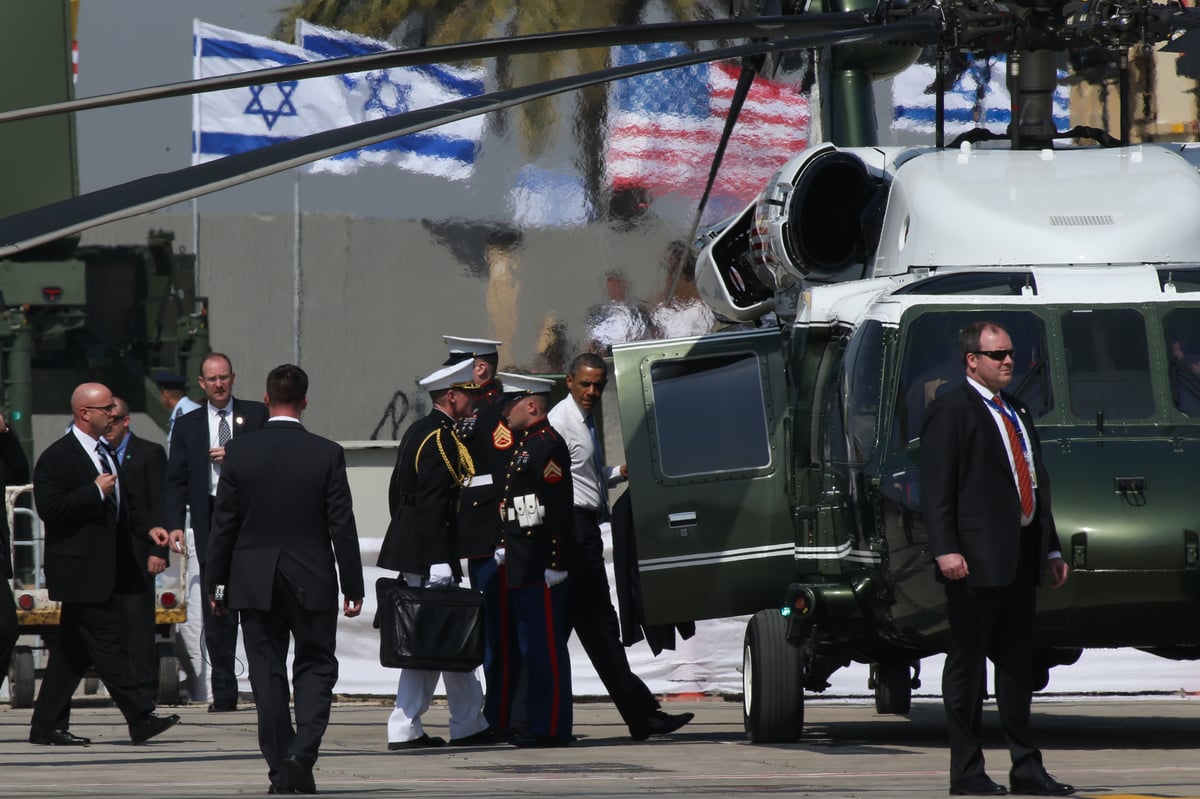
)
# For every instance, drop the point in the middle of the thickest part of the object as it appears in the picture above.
(502, 437)
(553, 472)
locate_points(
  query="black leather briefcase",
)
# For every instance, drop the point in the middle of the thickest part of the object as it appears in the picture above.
(437, 629)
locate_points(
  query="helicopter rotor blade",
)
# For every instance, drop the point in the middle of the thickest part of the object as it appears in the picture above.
(750, 68)
(30, 228)
(701, 30)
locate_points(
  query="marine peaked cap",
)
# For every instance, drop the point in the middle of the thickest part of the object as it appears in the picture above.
(517, 386)
(463, 348)
(454, 376)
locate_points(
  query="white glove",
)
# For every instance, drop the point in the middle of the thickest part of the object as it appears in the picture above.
(440, 575)
(499, 556)
(554, 577)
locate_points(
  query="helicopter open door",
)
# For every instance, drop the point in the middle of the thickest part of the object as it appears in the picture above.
(704, 422)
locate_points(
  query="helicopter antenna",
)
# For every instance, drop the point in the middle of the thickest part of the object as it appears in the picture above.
(939, 102)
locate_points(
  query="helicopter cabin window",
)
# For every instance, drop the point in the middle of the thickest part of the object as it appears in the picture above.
(931, 364)
(1181, 328)
(863, 371)
(1108, 363)
(709, 415)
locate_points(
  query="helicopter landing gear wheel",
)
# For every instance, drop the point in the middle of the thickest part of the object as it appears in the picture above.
(772, 688)
(893, 688)
(21, 678)
(91, 685)
(168, 675)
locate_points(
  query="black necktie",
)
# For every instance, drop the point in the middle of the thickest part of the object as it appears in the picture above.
(598, 460)
(223, 431)
(102, 452)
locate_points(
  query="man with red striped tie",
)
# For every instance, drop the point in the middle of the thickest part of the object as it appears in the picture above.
(985, 501)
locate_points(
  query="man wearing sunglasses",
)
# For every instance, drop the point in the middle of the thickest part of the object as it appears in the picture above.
(89, 526)
(985, 499)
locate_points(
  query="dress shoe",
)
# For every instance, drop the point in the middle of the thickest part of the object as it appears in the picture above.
(529, 741)
(482, 738)
(424, 742)
(1041, 785)
(151, 725)
(280, 789)
(977, 786)
(217, 708)
(298, 775)
(37, 735)
(660, 723)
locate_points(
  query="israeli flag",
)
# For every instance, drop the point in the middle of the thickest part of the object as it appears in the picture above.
(238, 120)
(447, 151)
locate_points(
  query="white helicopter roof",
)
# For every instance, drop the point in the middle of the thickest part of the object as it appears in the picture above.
(886, 299)
(995, 207)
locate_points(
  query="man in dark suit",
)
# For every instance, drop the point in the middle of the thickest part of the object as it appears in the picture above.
(14, 471)
(193, 471)
(143, 464)
(88, 522)
(985, 499)
(283, 516)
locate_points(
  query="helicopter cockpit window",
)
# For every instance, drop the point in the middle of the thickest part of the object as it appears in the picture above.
(931, 364)
(1183, 343)
(709, 415)
(1108, 363)
(863, 371)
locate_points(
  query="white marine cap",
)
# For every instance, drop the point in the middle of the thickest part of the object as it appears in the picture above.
(454, 376)
(516, 386)
(463, 348)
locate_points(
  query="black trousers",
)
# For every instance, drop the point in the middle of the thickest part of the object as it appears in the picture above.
(993, 623)
(137, 619)
(220, 640)
(10, 631)
(314, 673)
(591, 615)
(88, 634)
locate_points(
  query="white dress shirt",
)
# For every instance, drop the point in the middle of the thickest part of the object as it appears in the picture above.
(89, 444)
(214, 469)
(567, 419)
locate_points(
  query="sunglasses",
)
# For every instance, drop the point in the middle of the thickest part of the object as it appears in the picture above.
(997, 355)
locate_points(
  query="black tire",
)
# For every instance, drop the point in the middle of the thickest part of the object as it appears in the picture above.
(168, 675)
(893, 689)
(91, 685)
(772, 681)
(21, 677)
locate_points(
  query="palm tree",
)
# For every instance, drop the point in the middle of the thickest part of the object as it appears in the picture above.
(431, 22)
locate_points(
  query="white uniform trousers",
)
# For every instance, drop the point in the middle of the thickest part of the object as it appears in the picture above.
(414, 692)
(464, 694)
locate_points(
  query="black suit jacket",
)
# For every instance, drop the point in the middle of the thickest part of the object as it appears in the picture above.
(187, 468)
(283, 507)
(14, 471)
(143, 468)
(969, 499)
(423, 495)
(88, 549)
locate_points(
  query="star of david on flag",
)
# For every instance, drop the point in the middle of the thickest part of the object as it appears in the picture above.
(979, 98)
(664, 128)
(448, 150)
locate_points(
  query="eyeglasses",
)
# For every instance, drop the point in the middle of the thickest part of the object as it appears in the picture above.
(997, 355)
(107, 409)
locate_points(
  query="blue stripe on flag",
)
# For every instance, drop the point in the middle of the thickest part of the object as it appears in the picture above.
(222, 48)
(216, 143)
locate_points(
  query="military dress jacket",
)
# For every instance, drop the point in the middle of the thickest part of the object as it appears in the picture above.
(490, 443)
(536, 506)
(423, 496)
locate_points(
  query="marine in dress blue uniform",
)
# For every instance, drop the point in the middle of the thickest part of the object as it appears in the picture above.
(535, 512)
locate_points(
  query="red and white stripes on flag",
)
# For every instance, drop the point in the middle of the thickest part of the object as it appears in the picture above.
(664, 128)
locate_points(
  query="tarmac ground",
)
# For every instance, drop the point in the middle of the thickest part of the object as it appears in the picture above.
(1108, 747)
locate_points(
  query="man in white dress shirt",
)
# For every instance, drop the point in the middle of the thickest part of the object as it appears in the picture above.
(590, 609)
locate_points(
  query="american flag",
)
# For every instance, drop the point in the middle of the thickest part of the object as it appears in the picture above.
(664, 128)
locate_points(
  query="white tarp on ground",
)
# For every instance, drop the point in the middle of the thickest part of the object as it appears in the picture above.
(710, 662)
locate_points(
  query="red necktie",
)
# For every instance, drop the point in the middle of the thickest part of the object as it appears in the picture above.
(1024, 480)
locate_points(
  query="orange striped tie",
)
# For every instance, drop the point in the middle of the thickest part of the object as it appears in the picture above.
(1024, 479)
